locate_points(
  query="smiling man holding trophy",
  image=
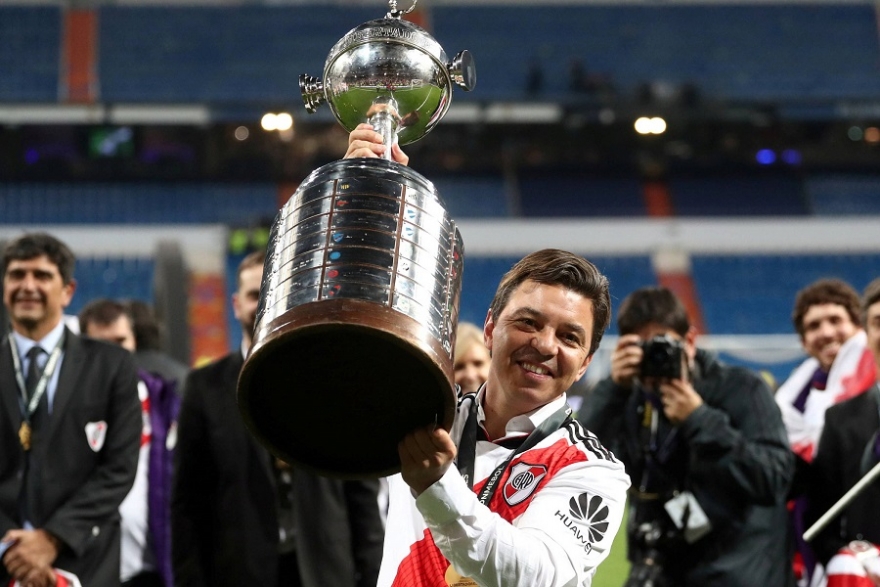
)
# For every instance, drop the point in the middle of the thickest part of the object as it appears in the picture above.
(501, 488)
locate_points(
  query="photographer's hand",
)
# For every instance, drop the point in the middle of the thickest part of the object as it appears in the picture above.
(625, 360)
(679, 399)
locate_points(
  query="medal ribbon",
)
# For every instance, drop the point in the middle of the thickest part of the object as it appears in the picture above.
(467, 453)
(48, 370)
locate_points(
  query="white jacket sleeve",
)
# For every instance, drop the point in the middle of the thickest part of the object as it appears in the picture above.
(559, 540)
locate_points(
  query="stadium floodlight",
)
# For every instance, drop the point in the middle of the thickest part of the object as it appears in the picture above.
(650, 126)
(269, 122)
(283, 121)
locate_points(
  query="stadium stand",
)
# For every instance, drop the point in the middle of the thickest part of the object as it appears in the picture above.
(566, 195)
(217, 54)
(136, 203)
(247, 53)
(112, 277)
(843, 195)
(755, 293)
(738, 196)
(790, 52)
(29, 65)
(482, 196)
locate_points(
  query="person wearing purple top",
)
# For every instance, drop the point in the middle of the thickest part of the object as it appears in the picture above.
(146, 510)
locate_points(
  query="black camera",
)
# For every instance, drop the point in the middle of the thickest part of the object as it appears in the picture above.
(663, 356)
(647, 569)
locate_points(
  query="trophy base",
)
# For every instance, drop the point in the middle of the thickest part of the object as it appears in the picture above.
(337, 384)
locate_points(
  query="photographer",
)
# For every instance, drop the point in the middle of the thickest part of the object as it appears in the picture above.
(706, 451)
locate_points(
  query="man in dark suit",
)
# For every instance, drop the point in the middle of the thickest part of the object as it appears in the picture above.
(69, 428)
(848, 449)
(240, 516)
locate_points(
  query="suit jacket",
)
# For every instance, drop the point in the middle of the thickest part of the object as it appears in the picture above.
(79, 487)
(849, 426)
(225, 528)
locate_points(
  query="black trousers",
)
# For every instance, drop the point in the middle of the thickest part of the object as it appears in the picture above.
(288, 570)
(145, 579)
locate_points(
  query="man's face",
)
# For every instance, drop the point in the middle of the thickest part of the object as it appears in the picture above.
(826, 328)
(118, 332)
(872, 326)
(540, 345)
(34, 293)
(247, 298)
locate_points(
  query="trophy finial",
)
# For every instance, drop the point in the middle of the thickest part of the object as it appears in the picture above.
(395, 13)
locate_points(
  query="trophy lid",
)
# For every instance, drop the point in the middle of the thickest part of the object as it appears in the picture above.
(392, 29)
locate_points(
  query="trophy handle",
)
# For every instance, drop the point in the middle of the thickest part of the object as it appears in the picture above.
(463, 70)
(385, 118)
(312, 91)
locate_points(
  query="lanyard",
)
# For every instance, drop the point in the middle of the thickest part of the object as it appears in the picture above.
(48, 370)
(467, 452)
(655, 452)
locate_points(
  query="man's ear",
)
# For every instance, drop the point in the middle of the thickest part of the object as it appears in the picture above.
(690, 341)
(488, 330)
(583, 368)
(68, 290)
(236, 308)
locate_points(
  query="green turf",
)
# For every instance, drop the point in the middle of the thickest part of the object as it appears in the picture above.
(614, 569)
(356, 102)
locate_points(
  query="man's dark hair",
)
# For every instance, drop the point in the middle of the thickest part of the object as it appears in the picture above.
(102, 312)
(36, 244)
(556, 267)
(255, 259)
(147, 332)
(652, 305)
(870, 297)
(826, 291)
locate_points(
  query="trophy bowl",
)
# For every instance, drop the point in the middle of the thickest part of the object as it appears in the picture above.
(391, 69)
(356, 323)
(361, 286)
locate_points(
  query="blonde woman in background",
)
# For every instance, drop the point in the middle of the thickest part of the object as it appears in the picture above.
(471, 357)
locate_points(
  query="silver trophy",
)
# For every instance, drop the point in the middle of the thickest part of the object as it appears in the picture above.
(360, 295)
(392, 74)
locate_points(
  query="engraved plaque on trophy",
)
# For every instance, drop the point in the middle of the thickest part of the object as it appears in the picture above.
(360, 295)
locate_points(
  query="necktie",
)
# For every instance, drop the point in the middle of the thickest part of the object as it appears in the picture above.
(34, 371)
(28, 495)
